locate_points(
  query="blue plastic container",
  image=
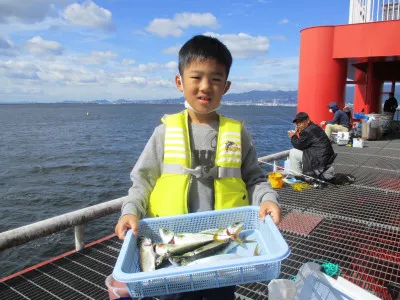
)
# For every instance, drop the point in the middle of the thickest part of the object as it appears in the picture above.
(265, 266)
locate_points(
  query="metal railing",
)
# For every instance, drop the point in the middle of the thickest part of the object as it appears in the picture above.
(78, 218)
(363, 11)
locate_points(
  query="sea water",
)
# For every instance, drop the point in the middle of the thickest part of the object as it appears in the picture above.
(57, 158)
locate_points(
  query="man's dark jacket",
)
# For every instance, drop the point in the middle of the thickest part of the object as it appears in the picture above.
(316, 147)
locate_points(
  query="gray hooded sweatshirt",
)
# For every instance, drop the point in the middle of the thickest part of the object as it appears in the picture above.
(203, 139)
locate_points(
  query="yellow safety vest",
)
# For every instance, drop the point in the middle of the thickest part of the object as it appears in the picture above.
(169, 196)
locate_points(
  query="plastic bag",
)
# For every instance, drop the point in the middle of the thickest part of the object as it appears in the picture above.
(281, 289)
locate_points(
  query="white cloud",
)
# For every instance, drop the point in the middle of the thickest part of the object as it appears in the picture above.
(23, 91)
(25, 11)
(89, 14)
(284, 21)
(281, 72)
(281, 38)
(288, 63)
(172, 50)
(67, 78)
(19, 70)
(150, 67)
(164, 28)
(131, 80)
(243, 45)
(173, 27)
(97, 57)
(127, 62)
(39, 46)
(249, 86)
(61, 74)
(144, 81)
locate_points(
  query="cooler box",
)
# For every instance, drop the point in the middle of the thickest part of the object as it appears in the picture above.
(266, 266)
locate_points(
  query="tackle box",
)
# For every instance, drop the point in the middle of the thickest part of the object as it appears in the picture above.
(272, 249)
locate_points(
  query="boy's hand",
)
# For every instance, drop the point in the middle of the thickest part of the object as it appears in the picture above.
(126, 222)
(272, 209)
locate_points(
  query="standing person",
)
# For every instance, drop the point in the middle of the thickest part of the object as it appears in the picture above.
(389, 108)
(340, 121)
(198, 160)
(312, 154)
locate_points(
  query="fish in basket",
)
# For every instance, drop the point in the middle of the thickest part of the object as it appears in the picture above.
(200, 251)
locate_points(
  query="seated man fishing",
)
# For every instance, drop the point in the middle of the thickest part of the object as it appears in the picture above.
(313, 154)
(339, 123)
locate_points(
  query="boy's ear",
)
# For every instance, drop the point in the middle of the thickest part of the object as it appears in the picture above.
(227, 86)
(178, 82)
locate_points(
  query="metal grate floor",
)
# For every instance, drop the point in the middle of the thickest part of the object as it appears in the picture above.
(355, 226)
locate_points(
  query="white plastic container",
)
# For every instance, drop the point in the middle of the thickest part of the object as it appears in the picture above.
(358, 143)
(342, 138)
(287, 166)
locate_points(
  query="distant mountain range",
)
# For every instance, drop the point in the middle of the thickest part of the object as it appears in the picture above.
(264, 98)
(288, 98)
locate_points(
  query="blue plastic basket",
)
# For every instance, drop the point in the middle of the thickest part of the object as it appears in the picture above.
(265, 266)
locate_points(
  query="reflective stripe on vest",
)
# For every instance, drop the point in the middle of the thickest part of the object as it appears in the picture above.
(169, 196)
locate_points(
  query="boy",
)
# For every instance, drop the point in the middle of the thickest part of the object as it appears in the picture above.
(198, 160)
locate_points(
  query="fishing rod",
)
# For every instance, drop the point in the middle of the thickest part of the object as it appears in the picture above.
(297, 173)
(286, 121)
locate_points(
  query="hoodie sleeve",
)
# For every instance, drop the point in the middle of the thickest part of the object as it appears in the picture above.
(258, 187)
(145, 174)
(336, 118)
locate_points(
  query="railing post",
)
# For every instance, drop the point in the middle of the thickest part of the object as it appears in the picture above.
(79, 242)
(275, 165)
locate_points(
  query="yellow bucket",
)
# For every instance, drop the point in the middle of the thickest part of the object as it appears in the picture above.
(275, 179)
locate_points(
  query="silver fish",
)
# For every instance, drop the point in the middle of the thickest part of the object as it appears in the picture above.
(213, 248)
(169, 237)
(234, 228)
(164, 251)
(147, 256)
(174, 249)
(225, 255)
(218, 234)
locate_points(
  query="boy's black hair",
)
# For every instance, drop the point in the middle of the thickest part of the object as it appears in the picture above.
(204, 47)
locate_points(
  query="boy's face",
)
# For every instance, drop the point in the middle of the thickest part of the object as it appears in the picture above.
(203, 85)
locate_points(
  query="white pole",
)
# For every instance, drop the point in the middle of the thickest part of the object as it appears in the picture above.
(387, 10)
(351, 12)
(392, 16)
(383, 9)
(79, 240)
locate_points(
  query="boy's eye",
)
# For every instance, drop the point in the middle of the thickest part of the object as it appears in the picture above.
(195, 77)
(217, 79)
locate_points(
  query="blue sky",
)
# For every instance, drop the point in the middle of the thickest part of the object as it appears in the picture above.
(110, 49)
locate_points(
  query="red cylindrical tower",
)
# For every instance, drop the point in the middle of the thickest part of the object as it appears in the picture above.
(322, 79)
